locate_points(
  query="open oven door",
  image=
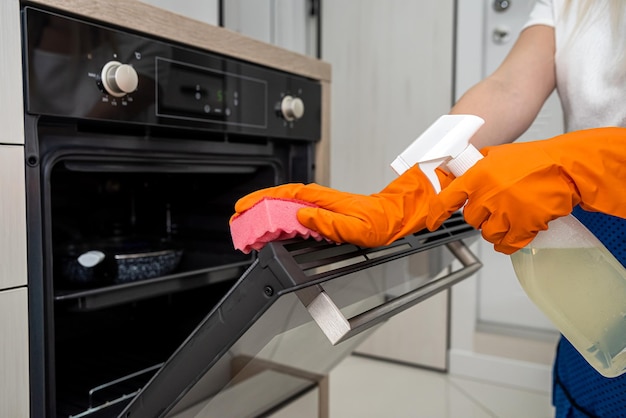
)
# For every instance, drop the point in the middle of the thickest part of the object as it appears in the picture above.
(301, 308)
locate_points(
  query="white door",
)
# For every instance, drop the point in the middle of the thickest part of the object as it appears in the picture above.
(497, 333)
(502, 300)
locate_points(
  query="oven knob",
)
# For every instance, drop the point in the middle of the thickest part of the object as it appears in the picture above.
(292, 108)
(119, 79)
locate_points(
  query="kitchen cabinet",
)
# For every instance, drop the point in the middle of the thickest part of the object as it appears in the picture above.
(204, 10)
(412, 337)
(13, 215)
(307, 406)
(290, 24)
(14, 353)
(12, 201)
(14, 390)
(10, 75)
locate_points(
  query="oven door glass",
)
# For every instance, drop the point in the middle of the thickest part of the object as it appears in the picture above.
(301, 308)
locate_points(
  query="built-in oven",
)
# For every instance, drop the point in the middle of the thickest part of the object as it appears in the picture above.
(136, 149)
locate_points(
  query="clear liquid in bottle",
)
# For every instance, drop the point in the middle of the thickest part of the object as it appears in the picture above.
(578, 284)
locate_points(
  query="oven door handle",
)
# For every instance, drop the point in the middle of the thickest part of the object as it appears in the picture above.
(338, 328)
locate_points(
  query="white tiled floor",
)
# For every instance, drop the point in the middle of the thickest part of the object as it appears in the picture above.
(367, 388)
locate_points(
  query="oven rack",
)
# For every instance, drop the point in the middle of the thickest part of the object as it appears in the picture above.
(107, 296)
(129, 393)
(102, 297)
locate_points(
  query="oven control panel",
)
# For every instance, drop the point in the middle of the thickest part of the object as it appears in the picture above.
(90, 72)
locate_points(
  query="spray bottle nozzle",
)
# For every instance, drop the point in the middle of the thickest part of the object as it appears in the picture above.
(445, 142)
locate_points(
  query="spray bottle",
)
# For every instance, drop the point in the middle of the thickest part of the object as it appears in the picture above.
(566, 271)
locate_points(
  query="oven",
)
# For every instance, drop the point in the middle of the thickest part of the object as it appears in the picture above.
(136, 149)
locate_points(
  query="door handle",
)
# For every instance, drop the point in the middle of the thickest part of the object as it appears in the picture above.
(338, 328)
(501, 35)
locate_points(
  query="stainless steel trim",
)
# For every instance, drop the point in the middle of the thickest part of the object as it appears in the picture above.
(338, 328)
(329, 318)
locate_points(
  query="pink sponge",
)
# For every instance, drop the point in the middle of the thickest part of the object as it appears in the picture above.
(270, 219)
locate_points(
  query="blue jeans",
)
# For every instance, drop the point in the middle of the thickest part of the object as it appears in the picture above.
(579, 391)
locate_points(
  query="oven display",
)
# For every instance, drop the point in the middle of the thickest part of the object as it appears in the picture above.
(197, 93)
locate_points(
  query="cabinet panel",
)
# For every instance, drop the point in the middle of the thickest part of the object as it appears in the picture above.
(306, 406)
(13, 215)
(392, 78)
(11, 116)
(416, 336)
(14, 401)
(288, 24)
(203, 10)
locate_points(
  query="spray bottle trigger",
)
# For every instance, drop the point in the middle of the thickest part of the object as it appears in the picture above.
(447, 138)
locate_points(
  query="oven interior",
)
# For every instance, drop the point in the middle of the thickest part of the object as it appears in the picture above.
(130, 211)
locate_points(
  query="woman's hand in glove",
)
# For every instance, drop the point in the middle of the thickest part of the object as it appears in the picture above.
(365, 220)
(518, 188)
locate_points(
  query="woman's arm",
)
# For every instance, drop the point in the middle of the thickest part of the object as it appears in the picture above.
(511, 97)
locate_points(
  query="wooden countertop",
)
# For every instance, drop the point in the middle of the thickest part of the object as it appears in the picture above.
(142, 17)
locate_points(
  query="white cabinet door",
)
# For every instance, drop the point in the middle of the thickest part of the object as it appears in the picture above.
(289, 24)
(11, 114)
(12, 183)
(14, 400)
(416, 336)
(203, 10)
(13, 217)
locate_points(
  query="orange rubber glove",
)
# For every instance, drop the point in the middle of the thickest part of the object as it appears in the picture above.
(518, 188)
(398, 210)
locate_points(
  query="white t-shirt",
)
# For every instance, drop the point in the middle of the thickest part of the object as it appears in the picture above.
(590, 71)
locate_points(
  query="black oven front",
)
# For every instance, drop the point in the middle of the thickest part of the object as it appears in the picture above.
(136, 150)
